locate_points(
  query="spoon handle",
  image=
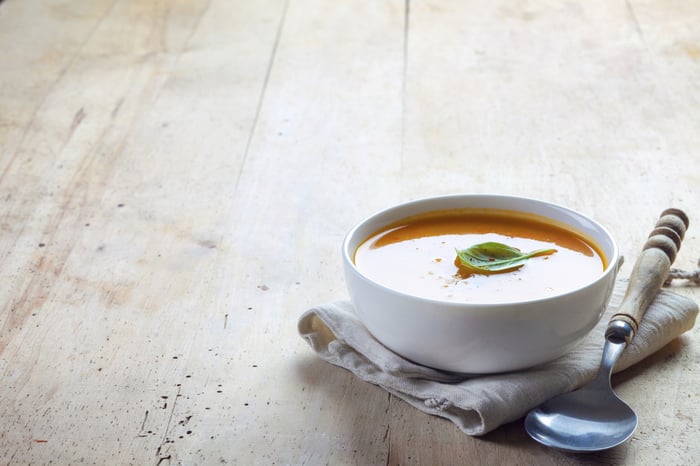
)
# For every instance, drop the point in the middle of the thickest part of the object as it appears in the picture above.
(651, 269)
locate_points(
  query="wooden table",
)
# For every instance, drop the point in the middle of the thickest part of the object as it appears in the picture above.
(176, 178)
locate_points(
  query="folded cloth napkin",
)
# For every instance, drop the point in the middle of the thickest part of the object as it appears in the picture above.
(479, 404)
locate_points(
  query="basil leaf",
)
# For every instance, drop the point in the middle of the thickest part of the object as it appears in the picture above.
(493, 257)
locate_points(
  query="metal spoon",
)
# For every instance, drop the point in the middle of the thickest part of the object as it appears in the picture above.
(593, 418)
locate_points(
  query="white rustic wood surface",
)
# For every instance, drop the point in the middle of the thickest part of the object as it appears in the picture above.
(176, 178)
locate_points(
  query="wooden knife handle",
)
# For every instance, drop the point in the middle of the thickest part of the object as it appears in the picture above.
(652, 267)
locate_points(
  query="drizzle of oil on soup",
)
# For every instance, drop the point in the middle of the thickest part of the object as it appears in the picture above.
(417, 256)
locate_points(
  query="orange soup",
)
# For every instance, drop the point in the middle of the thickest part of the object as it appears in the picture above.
(418, 256)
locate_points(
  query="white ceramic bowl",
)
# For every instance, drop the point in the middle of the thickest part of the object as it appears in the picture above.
(479, 338)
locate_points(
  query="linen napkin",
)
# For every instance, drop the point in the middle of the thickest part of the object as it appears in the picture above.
(479, 404)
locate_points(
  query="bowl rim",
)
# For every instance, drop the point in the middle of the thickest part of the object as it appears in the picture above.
(614, 262)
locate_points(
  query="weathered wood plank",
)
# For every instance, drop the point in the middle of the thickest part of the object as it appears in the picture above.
(115, 212)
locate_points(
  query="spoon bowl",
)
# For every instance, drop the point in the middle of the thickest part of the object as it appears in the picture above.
(590, 419)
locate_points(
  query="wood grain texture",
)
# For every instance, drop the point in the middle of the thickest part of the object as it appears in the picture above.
(176, 179)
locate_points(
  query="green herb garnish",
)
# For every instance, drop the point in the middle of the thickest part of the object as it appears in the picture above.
(492, 257)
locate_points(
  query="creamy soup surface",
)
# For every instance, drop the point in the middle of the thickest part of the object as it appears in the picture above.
(417, 256)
